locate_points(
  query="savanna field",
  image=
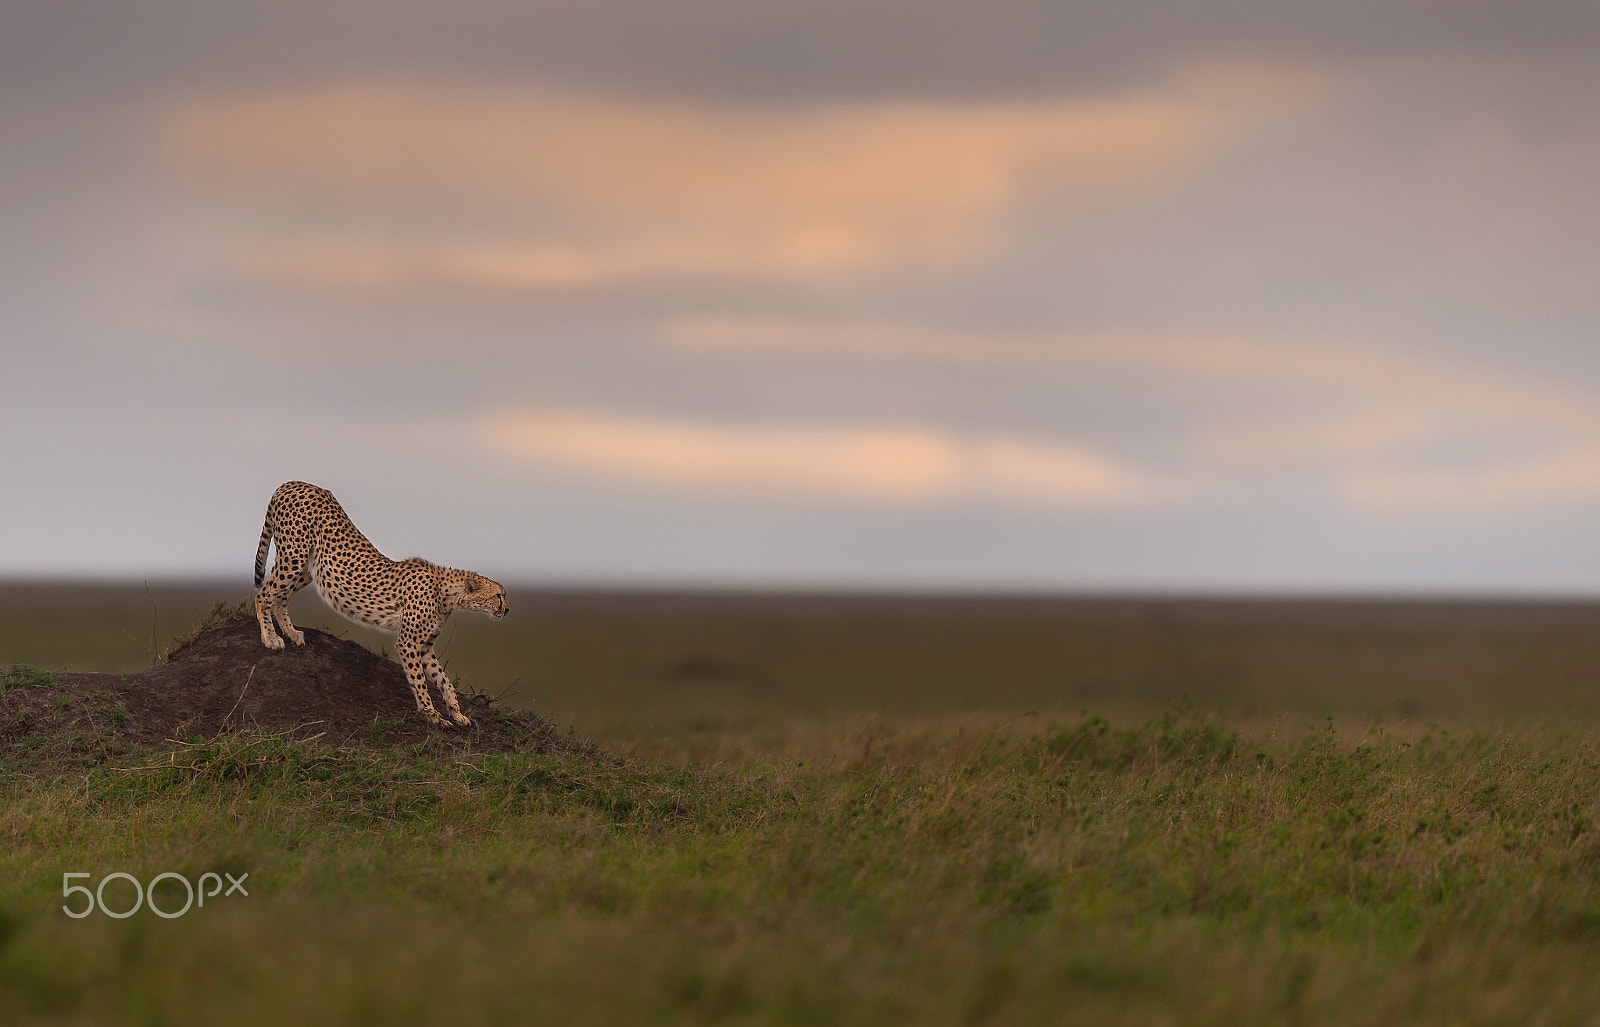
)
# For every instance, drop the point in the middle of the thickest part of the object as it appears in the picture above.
(837, 811)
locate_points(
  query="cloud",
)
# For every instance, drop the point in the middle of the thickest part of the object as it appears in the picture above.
(850, 463)
(733, 48)
(583, 188)
(1384, 428)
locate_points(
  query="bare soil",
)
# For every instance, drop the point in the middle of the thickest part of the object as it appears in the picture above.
(222, 680)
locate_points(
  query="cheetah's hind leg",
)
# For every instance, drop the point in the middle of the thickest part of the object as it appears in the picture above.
(289, 575)
(281, 608)
(269, 634)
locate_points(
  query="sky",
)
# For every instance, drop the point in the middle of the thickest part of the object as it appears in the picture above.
(1152, 296)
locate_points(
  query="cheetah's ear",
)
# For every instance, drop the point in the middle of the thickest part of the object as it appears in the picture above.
(474, 582)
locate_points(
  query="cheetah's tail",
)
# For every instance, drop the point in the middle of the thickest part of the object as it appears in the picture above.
(261, 551)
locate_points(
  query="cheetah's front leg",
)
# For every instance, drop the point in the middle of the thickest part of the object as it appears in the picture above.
(414, 655)
(441, 681)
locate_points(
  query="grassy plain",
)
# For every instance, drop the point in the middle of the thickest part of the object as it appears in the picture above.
(812, 811)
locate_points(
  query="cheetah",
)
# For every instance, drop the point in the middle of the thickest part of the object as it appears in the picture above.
(316, 542)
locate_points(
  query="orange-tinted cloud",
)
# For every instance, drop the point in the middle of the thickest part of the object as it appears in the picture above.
(851, 463)
(624, 188)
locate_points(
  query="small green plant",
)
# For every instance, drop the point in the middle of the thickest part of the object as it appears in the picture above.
(26, 676)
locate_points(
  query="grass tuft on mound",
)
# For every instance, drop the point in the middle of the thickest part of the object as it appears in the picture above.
(221, 615)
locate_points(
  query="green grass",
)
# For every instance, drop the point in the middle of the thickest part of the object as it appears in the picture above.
(1180, 869)
(853, 813)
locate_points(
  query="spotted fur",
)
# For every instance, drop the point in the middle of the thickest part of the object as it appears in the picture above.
(316, 542)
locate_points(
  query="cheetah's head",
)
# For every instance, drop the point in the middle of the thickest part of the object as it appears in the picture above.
(476, 592)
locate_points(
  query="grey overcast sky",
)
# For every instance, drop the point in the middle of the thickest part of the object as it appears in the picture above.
(1077, 296)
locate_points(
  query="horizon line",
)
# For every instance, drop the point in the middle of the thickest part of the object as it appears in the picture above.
(890, 591)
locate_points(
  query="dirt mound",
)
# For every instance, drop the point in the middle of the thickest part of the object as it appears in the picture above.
(222, 680)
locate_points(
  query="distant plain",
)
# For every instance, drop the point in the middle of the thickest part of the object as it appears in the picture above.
(627, 661)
